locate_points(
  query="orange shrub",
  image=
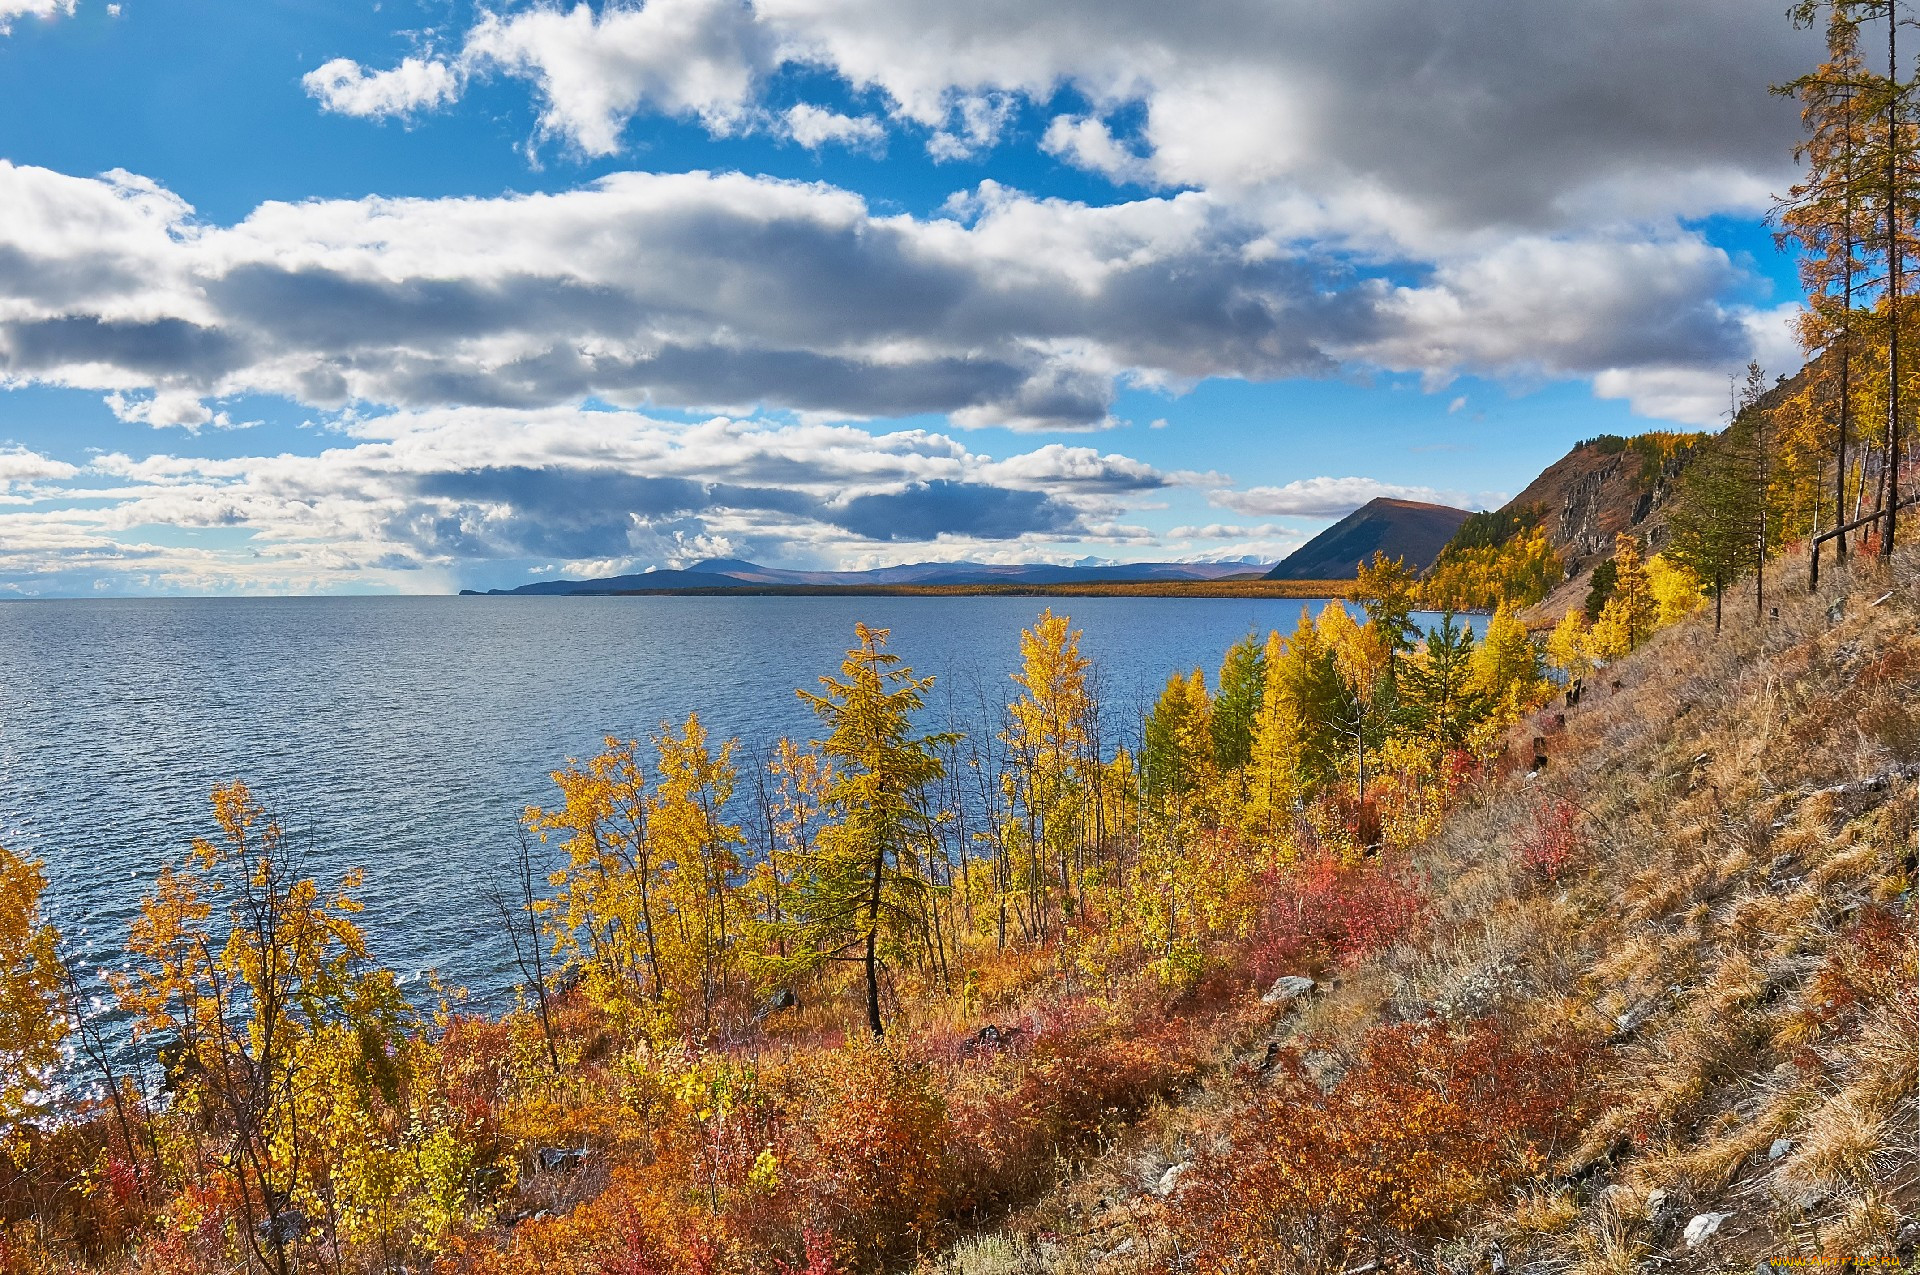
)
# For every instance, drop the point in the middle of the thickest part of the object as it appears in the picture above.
(1421, 1131)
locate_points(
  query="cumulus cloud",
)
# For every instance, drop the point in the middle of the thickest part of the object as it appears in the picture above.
(1324, 497)
(10, 10)
(1500, 114)
(592, 72)
(1528, 181)
(417, 84)
(814, 127)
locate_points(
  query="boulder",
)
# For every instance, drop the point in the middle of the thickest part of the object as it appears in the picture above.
(1288, 988)
(1656, 1206)
(781, 1001)
(285, 1227)
(562, 1159)
(1702, 1228)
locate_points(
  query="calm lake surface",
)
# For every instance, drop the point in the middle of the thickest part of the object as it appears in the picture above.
(405, 735)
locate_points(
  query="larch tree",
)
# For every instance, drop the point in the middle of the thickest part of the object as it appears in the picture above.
(1274, 761)
(864, 889)
(1051, 755)
(1567, 646)
(1441, 700)
(1242, 676)
(1822, 216)
(1177, 757)
(1506, 664)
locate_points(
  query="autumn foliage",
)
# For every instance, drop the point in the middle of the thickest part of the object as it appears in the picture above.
(825, 1006)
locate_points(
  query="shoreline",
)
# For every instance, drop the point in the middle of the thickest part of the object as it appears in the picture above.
(1283, 589)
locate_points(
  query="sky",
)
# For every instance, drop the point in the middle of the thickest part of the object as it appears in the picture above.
(314, 296)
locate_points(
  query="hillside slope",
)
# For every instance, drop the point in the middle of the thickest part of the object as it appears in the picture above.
(1711, 886)
(1406, 529)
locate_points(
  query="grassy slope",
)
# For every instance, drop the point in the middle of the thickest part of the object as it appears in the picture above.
(1737, 927)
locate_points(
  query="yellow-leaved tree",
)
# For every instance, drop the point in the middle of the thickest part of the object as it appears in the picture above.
(1506, 666)
(1629, 616)
(606, 914)
(279, 1028)
(1677, 591)
(699, 856)
(1567, 645)
(31, 1022)
(1051, 759)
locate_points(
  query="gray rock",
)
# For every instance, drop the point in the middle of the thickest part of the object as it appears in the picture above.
(1170, 1180)
(1781, 1149)
(1288, 988)
(1702, 1228)
(1656, 1205)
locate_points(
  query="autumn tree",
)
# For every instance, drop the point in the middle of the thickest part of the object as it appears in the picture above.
(1242, 676)
(1386, 589)
(1823, 216)
(31, 1022)
(270, 1020)
(1506, 665)
(1051, 756)
(863, 891)
(1440, 697)
(1567, 646)
(1177, 757)
(608, 914)
(1709, 528)
(1628, 618)
(1363, 659)
(698, 851)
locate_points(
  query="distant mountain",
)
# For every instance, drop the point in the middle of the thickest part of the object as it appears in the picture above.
(730, 573)
(1399, 528)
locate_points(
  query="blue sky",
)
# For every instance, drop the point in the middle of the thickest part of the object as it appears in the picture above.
(421, 295)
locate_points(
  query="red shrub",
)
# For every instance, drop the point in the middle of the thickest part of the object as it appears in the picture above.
(1551, 843)
(1326, 908)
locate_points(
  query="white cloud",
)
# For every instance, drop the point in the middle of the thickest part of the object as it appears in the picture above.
(13, 9)
(417, 84)
(418, 498)
(1325, 497)
(19, 465)
(1086, 142)
(166, 408)
(814, 127)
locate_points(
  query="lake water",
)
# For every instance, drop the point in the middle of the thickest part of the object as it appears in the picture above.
(405, 735)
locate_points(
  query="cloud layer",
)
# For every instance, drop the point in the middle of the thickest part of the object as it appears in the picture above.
(701, 291)
(422, 499)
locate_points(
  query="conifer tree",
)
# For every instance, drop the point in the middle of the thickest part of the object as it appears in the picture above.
(864, 890)
(1274, 766)
(1178, 753)
(1823, 217)
(1440, 696)
(1506, 665)
(1567, 646)
(1242, 676)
